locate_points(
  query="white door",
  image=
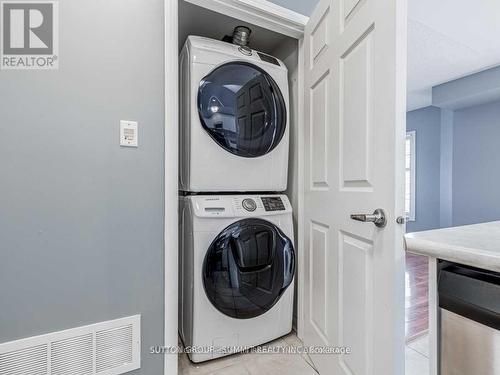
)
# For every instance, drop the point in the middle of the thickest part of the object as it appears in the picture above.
(355, 81)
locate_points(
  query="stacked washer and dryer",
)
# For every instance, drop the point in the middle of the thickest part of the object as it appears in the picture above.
(237, 258)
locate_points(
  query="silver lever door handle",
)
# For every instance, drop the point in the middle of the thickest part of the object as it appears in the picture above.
(377, 218)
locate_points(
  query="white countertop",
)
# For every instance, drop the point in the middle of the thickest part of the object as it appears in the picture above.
(475, 245)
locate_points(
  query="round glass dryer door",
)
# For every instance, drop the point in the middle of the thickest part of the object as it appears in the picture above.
(247, 268)
(242, 109)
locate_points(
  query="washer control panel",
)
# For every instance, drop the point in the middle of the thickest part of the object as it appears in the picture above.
(273, 204)
(239, 205)
(249, 204)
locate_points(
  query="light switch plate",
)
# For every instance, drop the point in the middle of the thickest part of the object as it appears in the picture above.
(129, 133)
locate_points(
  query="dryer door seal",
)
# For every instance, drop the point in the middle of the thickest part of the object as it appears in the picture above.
(241, 107)
(247, 268)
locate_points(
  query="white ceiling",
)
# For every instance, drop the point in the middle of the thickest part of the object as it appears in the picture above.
(304, 7)
(195, 20)
(449, 39)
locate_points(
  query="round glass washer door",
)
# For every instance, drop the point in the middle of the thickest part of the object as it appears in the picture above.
(242, 108)
(247, 268)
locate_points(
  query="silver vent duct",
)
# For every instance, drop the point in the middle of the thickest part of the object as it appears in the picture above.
(241, 36)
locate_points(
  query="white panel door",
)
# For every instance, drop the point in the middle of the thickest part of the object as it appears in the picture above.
(355, 81)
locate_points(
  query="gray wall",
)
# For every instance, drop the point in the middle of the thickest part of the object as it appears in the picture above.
(301, 6)
(476, 176)
(446, 169)
(426, 123)
(81, 219)
(472, 90)
(457, 166)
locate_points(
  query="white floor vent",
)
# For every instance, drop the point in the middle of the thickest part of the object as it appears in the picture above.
(107, 348)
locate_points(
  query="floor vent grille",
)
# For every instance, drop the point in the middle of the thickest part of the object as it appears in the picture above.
(107, 348)
(73, 356)
(113, 348)
(27, 361)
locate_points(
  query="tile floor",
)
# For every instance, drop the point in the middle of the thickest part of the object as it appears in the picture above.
(254, 364)
(417, 361)
(417, 356)
(417, 296)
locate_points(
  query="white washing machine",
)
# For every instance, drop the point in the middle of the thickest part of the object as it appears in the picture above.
(237, 265)
(234, 134)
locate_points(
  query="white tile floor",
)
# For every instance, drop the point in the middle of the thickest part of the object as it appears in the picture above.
(417, 361)
(253, 364)
(417, 356)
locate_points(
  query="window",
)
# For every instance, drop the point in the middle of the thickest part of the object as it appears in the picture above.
(410, 176)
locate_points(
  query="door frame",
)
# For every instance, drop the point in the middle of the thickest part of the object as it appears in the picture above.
(264, 14)
(171, 161)
(259, 12)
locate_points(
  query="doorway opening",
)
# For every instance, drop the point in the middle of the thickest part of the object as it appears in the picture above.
(452, 133)
(345, 256)
(278, 50)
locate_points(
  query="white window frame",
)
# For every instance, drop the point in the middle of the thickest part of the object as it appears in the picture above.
(412, 136)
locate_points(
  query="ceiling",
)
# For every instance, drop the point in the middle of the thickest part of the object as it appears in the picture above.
(304, 7)
(196, 20)
(449, 39)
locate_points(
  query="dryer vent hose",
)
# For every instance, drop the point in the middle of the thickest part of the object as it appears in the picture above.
(241, 36)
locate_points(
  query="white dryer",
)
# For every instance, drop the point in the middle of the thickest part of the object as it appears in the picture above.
(237, 265)
(234, 134)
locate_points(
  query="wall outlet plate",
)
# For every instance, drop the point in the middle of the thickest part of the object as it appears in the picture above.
(129, 133)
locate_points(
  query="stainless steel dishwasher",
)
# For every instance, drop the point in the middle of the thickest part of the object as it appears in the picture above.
(469, 301)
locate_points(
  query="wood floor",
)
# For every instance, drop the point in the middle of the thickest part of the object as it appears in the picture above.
(417, 296)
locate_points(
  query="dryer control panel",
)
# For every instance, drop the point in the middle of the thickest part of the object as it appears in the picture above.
(213, 49)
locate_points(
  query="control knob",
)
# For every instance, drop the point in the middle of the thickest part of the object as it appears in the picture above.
(249, 204)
